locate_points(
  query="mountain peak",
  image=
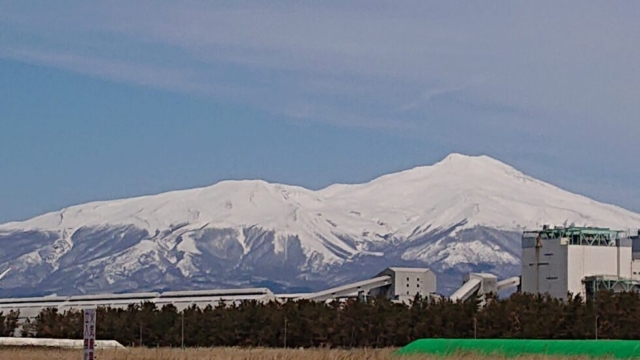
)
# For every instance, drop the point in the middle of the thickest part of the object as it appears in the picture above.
(457, 158)
(477, 190)
(461, 157)
(464, 210)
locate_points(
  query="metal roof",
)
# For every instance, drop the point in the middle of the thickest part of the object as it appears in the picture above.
(140, 296)
(405, 269)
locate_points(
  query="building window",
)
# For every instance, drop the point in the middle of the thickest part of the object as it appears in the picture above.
(418, 279)
(552, 278)
(407, 279)
(407, 285)
(417, 285)
(408, 293)
(543, 263)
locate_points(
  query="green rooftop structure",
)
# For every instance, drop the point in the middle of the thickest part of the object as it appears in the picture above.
(563, 261)
(595, 284)
(592, 236)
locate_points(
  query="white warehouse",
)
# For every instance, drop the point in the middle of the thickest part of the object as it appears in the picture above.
(398, 284)
(578, 260)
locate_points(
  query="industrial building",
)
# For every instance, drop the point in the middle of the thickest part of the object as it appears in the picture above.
(579, 260)
(30, 307)
(395, 283)
(407, 283)
(480, 284)
(555, 260)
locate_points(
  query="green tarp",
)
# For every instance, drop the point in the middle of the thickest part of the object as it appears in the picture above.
(620, 349)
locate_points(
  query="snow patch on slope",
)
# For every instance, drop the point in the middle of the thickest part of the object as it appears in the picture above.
(188, 245)
(451, 253)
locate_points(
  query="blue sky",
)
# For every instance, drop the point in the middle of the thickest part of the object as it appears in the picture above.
(129, 98)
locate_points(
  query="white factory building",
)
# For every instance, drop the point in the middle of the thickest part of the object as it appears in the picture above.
(399, 284)
(578, 260)
(555, 261)
(394, 283)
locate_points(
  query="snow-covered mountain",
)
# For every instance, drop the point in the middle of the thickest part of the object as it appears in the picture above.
(461, 214)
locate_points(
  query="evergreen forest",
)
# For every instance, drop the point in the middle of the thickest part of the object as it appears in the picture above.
(373, 323)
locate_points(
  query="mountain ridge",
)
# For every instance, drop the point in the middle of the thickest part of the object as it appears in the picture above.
(330, 191)
(461, 214)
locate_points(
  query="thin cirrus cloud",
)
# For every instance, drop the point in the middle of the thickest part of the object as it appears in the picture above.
(530, 56)
(475, 75)
(116, 70)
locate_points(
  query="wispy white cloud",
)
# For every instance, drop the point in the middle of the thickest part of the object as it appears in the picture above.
(112, 69)
(429, 94)
(426, 66)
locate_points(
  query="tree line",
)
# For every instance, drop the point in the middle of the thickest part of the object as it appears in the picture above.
(374, 323)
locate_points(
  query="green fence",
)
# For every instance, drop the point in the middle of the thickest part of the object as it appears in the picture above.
(620, 349)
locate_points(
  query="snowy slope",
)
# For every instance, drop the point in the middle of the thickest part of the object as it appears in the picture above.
(463, 213)
(478, 190)
(287, 210)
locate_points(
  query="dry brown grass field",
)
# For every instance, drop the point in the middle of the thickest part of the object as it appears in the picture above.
(226, 354)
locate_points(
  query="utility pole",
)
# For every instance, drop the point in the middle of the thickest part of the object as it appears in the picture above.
(182, 330)
(140, 333)
(285, 332)
(475, 327)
